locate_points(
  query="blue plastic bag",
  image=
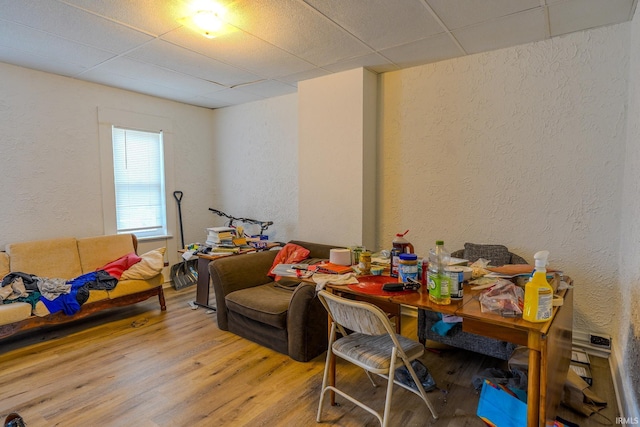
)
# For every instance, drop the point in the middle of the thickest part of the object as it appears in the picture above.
(499, 408)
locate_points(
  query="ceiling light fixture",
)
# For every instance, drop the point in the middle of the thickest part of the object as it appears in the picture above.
(207, 19)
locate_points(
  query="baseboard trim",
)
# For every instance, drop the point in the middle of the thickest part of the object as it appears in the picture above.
(581, 339)
(624, 390)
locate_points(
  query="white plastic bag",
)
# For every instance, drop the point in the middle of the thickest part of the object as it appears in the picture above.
(503, 298)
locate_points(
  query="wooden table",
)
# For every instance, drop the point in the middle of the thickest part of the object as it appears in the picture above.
(549, 343)
(203, 286)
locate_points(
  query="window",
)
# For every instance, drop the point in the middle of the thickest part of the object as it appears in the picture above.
(138, 172)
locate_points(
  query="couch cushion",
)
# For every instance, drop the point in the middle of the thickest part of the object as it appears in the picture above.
(4, 265)
(14, 312)
(127, 287)
(150, 265)
(266, 304)
(97, 251)
(55, 258)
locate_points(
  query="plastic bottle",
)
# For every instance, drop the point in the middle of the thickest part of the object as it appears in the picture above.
(400, 245)
(408, 267)
(538, 293)
(438, 279)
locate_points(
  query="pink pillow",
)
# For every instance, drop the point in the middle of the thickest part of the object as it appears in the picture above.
(289, 254)
(117, 267)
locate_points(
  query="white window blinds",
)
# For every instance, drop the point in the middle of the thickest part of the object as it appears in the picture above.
(138, 166)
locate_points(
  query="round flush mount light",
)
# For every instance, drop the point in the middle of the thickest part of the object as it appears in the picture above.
(208, 21)
(206, 17)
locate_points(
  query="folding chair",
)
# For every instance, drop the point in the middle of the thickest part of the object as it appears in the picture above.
(373, 345)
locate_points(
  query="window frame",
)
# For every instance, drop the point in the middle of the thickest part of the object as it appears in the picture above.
(109, 118)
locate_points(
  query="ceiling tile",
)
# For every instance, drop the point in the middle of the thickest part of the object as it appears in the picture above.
(73, 24)
(503, 32)
(570, 16)
(151, 16)
(462, 13)
(377, 22)
(297, 28)
(47, 47)
(127, 68)
(232, 96)
(431, 49)
(268, 88)
(176, 58)
(241, 50)
(37, 62)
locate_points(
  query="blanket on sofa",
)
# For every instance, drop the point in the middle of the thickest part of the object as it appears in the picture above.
(69, 295)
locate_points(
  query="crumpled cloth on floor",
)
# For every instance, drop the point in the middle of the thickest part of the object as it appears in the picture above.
(337, 279)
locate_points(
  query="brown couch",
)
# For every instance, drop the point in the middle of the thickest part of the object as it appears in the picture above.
(68, 258)
(287, 319)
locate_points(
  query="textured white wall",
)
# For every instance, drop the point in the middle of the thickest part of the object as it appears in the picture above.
(521, 146)
(255, 164)
(627, 339)
(50, 164)
(337, 158)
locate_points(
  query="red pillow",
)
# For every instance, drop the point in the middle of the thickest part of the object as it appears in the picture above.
(117, 267)
(289, 254)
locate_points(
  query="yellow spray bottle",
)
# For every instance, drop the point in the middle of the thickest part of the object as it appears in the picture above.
(538, 293)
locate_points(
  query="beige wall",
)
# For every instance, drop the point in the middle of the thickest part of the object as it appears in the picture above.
(337, 158)
(255, 163)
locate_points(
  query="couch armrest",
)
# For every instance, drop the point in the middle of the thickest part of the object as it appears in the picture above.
(233, 273)
(306, 324)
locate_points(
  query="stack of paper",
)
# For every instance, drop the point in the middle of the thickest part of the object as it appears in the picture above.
(220, 236)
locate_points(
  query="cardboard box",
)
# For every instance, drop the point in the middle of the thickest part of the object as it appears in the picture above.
(582, 369)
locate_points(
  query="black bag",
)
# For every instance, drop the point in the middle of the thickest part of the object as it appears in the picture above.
(402, 374)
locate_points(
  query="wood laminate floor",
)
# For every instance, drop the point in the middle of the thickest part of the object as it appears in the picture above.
(137, 366)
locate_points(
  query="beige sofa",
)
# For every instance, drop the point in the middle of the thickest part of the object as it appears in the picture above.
(68, 258)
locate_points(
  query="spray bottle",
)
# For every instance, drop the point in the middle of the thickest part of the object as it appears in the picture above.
(538, 293)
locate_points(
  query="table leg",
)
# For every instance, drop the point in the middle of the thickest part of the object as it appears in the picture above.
(533, 389)
(203, 286)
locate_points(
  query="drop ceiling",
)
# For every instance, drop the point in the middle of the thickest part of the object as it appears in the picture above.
(140, 45)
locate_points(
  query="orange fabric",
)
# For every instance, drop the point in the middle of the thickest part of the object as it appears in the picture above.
(289, 254)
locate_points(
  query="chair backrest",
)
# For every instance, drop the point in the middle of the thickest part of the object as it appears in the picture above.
(357, 316)
(497, 254)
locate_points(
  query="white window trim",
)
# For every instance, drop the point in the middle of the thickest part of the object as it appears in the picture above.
(107, 118)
